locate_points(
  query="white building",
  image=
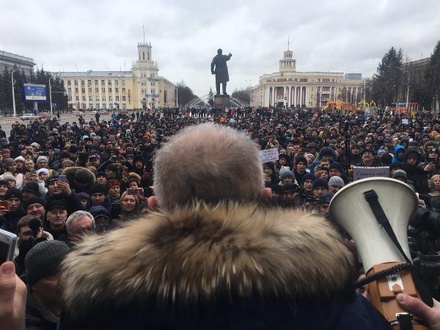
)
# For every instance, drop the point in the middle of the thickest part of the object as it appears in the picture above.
(290, 88)
(140, 88)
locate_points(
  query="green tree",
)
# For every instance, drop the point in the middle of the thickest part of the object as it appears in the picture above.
(388, 80)
(433, 74)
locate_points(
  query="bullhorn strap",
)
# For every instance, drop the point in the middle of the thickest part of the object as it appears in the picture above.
(373, 200)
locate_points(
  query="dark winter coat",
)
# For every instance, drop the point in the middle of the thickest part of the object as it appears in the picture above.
(227, 267)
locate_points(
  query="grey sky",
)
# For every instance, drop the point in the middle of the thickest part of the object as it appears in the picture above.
(325, 35)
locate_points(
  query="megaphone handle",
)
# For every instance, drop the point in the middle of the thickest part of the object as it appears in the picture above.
(383, 293)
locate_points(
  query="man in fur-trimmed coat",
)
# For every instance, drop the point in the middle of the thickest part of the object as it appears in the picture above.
(214, 257)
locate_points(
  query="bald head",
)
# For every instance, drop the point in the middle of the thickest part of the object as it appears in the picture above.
(207, 162)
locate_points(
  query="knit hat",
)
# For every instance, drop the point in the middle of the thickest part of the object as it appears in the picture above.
(20, 159)
(34, 200)
(8, 161)
(40, 158)
(31, 187)
(13, 192)
(44, 259)
(36, 145)
(112, 167)
(8, 176)
(3, 183)
(98, 188)
(336, 181)
(337, 166)
(301, 159)
(307, 176)
(67, 163)
(287, 173)
(399, 174)
(320, 183)
(43, 170)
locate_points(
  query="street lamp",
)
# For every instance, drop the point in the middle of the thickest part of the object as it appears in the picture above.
(50, 97)
(407, 87)
(250, 91)
(14, 109)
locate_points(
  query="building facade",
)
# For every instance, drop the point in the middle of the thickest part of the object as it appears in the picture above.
(9, 61)
(290, 88)
(140, 88)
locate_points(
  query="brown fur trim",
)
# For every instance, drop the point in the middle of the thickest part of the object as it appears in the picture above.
(195, 254)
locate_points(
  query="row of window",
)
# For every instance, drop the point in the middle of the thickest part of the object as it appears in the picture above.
(103, 90)
(103, 99)
(89, 82)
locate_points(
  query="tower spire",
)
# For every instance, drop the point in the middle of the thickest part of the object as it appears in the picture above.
(143, 29)
(288, 43)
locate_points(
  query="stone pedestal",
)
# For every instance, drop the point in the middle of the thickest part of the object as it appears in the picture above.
(221, 101)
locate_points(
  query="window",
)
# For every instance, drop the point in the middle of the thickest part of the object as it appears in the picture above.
(116, 90)
(123, 98)
(69, 83)
(102, 82)
(76, 90)
(103, 89)
(123, 90)
(96, 82)
(75, 82)
(109, 89)
(83, 90)
(82, 82)
(89, 82)
(96, 90)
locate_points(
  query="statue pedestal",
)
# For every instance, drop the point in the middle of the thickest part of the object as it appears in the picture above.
(221, 101)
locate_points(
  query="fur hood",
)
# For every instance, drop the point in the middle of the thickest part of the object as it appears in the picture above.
(206, 253)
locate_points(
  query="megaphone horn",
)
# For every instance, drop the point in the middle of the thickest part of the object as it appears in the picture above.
(375, 212)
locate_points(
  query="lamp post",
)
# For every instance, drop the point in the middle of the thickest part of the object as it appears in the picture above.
(250, 91)
(14, 109)
(50, 97)
(407, 87)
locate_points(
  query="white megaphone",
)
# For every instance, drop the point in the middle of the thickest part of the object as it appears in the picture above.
(361, 208)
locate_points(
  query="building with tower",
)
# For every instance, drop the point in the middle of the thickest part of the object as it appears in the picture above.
(140, 88)
(291, 88)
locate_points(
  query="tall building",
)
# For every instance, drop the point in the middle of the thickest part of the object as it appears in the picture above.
(291, 88)
(140, 88)
(9, 61)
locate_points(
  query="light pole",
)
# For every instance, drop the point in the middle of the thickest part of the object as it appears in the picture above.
(250, 91)
(407, 88)
(50, 97)
(14, 109)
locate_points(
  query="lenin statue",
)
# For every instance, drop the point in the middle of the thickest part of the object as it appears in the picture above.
(220, 69)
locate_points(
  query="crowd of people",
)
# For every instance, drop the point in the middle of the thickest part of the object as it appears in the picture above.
(171, 219)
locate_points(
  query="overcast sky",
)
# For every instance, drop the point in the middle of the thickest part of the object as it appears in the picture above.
(325, 35)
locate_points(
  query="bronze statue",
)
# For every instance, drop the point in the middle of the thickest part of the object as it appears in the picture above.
(220, 69)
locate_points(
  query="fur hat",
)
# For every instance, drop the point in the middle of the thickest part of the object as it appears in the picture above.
(83, 176)
(112, 167)
(67, 163)
(44, 259)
